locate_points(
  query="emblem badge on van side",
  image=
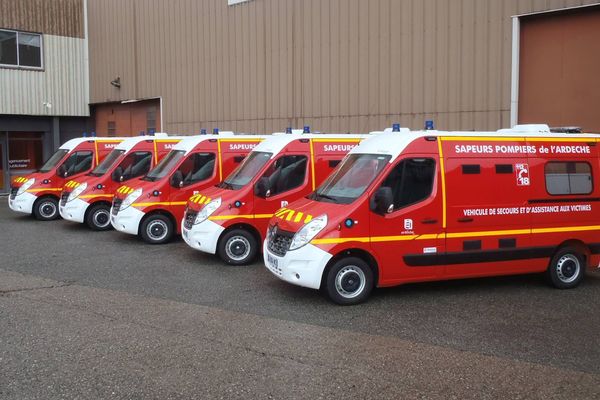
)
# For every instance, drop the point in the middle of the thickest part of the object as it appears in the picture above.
(522, 171)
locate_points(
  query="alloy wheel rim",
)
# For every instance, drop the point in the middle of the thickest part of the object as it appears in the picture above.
(157, 230)
(568, 268)
(47, 209)
(350, 281)
(237, 248)
(101, 218)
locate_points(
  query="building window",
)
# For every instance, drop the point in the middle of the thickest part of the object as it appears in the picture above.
(112, 128)
(568, 178)
(20, 49)
(151, 120)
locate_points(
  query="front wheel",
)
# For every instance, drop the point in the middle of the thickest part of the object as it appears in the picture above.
(98, 217)
(566, 269)
(157, 229)
(349, 281)
(238, 247)
(46, 209)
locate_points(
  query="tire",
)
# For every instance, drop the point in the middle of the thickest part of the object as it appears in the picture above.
(238, 247)
(46, 208)
(157, 229)
(566, 269)
(349, 281)
(98, 217)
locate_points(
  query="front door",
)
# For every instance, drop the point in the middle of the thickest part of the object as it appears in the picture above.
(408, 239)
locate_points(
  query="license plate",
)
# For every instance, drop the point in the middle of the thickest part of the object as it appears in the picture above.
(273, 262)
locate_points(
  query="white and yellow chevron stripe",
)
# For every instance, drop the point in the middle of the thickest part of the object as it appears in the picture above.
(289, 215)
(125, 190)
(72, 184)
(20, 179)
(200, 199)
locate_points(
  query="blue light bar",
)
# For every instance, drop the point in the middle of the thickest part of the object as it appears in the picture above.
(395, 127)
(306, 129)
(203, 131)
(216, 131)
(429, 125)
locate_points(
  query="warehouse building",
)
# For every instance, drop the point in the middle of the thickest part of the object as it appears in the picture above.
(337, 65)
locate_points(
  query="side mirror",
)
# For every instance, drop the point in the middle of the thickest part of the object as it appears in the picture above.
(263, 187)
(177, 179)
(62, 171)
(382, 202)
(117, 174)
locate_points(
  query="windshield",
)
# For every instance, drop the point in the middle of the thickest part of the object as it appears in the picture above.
(165, 166)
(247, 170)
(107, 163)
(54, 160)
(351, 178)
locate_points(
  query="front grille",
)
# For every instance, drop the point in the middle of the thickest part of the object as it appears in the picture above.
(13, 192)
(63, 198)
(116, 205)
(189, 218)
(279, 243)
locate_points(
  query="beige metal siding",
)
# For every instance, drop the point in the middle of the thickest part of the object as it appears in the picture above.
(54, 17)
(338, 65)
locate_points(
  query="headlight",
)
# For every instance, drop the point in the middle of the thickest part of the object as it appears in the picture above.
(77, 191)
(308, 232)
(26, 186)
(207, 211)
(133, 196)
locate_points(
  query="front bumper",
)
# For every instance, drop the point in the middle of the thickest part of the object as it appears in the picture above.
(22, 203)
(203, 236)
(74, 210)
(127, 220)
(302, 267)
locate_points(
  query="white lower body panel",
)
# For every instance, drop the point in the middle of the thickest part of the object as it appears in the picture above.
(127, 220)
(22, 203)
(74, 210)
(203, 236)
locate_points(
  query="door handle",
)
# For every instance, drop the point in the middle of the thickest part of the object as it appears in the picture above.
(465, 219)
(429, 221)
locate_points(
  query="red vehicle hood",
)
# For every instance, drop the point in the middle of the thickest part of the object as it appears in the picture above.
(126, 188)
(299, 212)
(198, 201)
(18, 181)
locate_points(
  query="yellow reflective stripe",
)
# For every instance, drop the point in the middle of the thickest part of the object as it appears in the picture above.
(261, 216)
(567, 229)
(280, 212)
(290, 215)
(513, 139)
(242, 140)
(488, 233)
(443, 174)
(220, 160)
(312, 165)
(308, 219)
(298, 216)
(356, 140)
(207, 200)
(155, 153)
(96, 151)
(44, 190)
(365, 239)
(227, 217)
(93, 196)
(160, 203)
(178, 203)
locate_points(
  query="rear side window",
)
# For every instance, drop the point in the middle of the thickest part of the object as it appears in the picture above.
(411, 181)
(563, 178)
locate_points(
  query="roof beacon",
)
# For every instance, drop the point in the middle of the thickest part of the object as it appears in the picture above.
(395, 127)
(429, 125)
(203, 131)
(288, 130)
(306, 129)
(216, 131)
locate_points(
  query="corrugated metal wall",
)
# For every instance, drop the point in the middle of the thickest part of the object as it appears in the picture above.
(54, 17)
(338, 65)
(63, 83)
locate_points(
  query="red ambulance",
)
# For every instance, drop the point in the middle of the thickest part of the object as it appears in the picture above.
(89, 198)
(422, 206)
(153, 206)
(231, 219)
(38, 193)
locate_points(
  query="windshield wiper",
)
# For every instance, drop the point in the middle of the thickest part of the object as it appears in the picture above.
(225, 185)
(325, 196)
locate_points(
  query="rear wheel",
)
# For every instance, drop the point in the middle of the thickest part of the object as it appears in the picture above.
(98, 217)
(567, 268)
(238, 247)
(349, 281)
(157, 229)
(46, 208)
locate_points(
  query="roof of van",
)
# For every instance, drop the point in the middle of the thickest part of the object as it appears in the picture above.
(393, 143)
(189, 142)
(71, 144)
(278, 141)
(130, 142)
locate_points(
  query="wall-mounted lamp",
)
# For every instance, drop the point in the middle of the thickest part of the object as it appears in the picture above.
(116, 82)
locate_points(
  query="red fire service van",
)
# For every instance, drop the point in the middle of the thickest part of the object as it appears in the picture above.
(89, 199)
(38, 193)
(422, 206)
(231, 218)
(153, 206)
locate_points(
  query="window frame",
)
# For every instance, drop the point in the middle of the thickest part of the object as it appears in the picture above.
(568, 175)
(300, 185)
(18, 64)
(433, 182)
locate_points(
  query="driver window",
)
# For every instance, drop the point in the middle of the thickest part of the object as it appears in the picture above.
(136, 164)
(77, 162)
(411, 181)
(286, 173)
(197, 167)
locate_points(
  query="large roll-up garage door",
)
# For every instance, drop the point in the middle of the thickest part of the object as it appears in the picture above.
(559, 80)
